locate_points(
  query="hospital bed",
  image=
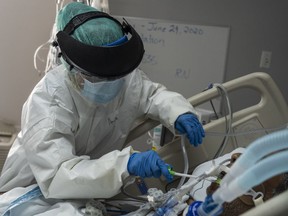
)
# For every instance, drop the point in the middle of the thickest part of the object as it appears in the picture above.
(268, 113)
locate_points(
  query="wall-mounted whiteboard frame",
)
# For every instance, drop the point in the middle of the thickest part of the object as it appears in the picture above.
(184, 57)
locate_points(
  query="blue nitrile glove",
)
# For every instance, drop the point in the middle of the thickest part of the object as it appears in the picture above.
(189, 124)
(148, 164)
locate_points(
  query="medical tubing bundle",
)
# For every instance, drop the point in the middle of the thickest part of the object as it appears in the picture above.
(167, 206)
(255, 151)
(173, 200)
(265, 169)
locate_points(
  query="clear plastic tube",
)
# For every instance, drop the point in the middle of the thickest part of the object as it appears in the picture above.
(186, 163)
(255, 151)
(182, 189)
(267, 168)
(167, 206)
(172, 201)
(243, 133)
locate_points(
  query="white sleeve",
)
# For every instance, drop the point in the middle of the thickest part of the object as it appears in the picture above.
(84, 178)
(162, 104)
(61, 174)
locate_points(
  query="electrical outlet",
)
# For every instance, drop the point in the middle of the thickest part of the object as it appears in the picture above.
(265, 60)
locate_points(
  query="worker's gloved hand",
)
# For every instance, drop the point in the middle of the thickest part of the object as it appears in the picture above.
(189, 124)
(148, 164)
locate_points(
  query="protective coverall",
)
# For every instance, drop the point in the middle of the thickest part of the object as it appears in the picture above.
(71, 147)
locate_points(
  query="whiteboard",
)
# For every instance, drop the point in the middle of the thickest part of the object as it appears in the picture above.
(185, 58)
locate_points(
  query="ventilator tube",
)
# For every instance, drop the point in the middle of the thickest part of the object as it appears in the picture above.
(267, 168)
(255, 151)
(250, 170)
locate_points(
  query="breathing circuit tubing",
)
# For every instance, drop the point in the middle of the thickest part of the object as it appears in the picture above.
(256, 150)
(263, 170)
(263, 159)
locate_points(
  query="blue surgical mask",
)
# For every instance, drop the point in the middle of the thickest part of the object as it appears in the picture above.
(102, 92)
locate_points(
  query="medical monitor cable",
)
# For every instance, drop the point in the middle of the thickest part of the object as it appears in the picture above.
(211, 101)
(127, 182)
(224, 94)
(51, 59)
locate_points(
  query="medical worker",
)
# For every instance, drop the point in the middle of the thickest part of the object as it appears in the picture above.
(78, 116)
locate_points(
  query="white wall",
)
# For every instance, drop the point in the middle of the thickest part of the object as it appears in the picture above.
(24, 26)
(255, 26)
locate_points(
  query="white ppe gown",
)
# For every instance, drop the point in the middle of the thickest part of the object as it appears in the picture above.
(71, 147)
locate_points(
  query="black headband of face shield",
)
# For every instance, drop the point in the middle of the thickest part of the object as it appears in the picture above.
(108, 62)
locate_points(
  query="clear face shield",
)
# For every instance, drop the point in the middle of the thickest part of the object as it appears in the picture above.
(101, 81)
(96, 89)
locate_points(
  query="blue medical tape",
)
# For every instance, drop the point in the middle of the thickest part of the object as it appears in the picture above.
(32, 194)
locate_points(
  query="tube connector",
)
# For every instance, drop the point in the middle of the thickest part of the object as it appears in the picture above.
(208, 207)
(167, 206)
